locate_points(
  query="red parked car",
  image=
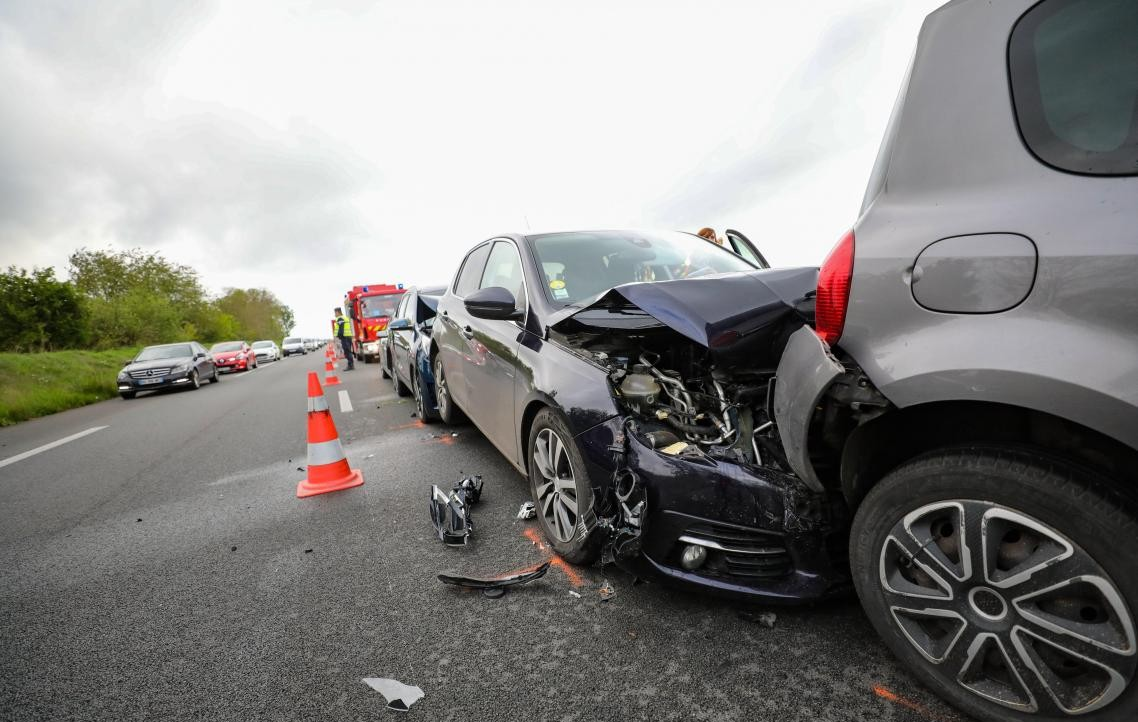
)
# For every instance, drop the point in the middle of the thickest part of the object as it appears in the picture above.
(233, 356)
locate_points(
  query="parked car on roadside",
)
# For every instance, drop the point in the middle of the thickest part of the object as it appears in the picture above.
(626, 374)
(230, 356)
(405, 351)
(971, 386)
(169, 365)
(266, 350)
(293, 345)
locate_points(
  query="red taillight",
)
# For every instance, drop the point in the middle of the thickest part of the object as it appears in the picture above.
(834, 290)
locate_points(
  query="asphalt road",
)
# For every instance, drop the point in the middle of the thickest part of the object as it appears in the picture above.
(163, 568)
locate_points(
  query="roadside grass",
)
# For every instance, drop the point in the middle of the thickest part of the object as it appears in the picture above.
(38, 384)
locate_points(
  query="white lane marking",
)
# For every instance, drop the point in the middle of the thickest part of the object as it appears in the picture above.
(52, 445)
(345, 402)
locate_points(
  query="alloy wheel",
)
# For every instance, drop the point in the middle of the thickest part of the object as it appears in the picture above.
(194, 380)
(417, 392)
(557, 488)
(442, 391)
(1008, 608)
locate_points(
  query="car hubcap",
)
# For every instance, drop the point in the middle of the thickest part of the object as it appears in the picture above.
(557, 485)
(1007, 607)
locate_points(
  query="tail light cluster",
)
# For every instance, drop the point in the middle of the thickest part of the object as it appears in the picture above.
(834, 290)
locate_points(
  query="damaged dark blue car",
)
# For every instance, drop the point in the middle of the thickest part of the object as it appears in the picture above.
(629, 376)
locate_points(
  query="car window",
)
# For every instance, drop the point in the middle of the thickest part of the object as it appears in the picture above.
(156, 353)
(227, 347)
(401, 312)
(504, 269)
(471, 272)
(745, 251)
(1074, 73)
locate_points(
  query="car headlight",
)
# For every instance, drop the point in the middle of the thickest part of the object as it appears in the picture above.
(183, 366)
(122, 376)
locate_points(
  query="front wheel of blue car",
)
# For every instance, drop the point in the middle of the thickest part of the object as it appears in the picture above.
(561, 489)
(422, 407)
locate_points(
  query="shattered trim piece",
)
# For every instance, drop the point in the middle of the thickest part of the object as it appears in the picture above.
(450, 513)
(507, 580)
(399, 696)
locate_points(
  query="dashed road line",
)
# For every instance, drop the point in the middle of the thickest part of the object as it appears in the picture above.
(48, 447)
(345, 402)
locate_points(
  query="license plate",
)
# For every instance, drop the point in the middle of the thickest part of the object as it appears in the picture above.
(144, 382)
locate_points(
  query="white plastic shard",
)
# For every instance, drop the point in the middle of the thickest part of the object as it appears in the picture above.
(399, 696)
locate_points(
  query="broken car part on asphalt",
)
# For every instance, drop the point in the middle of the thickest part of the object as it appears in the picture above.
(501, 582)
(528, 510)
(451, 512)
(399, 696)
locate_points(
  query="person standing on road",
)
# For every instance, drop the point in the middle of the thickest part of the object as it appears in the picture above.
(344, 333)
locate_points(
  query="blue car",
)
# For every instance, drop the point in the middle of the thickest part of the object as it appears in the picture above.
(404, 353)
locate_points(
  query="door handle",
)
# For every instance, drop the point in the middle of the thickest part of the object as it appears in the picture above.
(468, 331)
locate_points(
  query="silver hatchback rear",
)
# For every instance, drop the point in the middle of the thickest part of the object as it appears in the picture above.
(971, 386)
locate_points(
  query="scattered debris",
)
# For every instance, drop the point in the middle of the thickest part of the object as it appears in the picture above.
(137, 520)
(607, 591)
(450, 512)
(766, 619)
(370, 456)
(399, 696)
(495, 583)
(574, 594)
(307, 551)
(300, 468)
(527, 510)
(454, 434)
(414, 414)
(232, 549)
(631, 634)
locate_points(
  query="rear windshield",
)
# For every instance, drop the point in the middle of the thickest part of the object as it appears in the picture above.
(226, 347)
(156, 353)
(1074, 72)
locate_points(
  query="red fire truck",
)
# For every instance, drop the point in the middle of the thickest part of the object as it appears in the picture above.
(370, 308)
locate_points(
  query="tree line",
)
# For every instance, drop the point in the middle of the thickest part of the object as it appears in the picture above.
(128, 298)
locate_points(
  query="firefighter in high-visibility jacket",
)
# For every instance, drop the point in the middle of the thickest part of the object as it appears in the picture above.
(344, 334)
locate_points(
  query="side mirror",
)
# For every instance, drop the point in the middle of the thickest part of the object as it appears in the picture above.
(199, 355)
(493, 303)
(128, 362)
(400, 324)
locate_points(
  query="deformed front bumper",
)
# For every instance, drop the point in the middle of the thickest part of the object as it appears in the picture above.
(765, 535)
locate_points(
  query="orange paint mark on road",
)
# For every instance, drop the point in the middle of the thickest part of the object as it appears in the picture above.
(567, 569)
(416, 424)
(890, 696)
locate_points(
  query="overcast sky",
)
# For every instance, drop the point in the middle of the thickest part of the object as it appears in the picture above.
(306, 147)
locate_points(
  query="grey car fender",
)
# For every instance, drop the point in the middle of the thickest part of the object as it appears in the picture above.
(805, 371)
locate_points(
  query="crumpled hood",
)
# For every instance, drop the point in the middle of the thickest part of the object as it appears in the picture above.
(741, 317)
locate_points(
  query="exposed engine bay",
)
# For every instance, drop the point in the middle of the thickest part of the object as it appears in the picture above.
(693, 368)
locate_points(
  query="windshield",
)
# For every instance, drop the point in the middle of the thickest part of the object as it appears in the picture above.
(581, 265)
(155, 353)
(262, 344)
(376, 306)
(226, 347)
(291, 340)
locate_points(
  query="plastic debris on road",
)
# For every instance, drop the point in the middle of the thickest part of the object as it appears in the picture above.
(399, 696)
(766, 619)
(450, 513)
(491, 586)
(574, 594)
(607, 591)
(527, 510)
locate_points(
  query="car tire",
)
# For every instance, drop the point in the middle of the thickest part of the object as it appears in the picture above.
(195, 380)
(1056, 593)
(127, 395)
(384, 365)
(449, 413)
(216, 378)
(427, 415)
(560, 487)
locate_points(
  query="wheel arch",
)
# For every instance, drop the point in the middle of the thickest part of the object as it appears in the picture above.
(877, 447)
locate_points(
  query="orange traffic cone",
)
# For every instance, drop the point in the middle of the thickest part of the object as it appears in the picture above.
(330, 377)
(328, 469)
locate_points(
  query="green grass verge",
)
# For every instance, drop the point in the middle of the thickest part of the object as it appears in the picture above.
(38, 384)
